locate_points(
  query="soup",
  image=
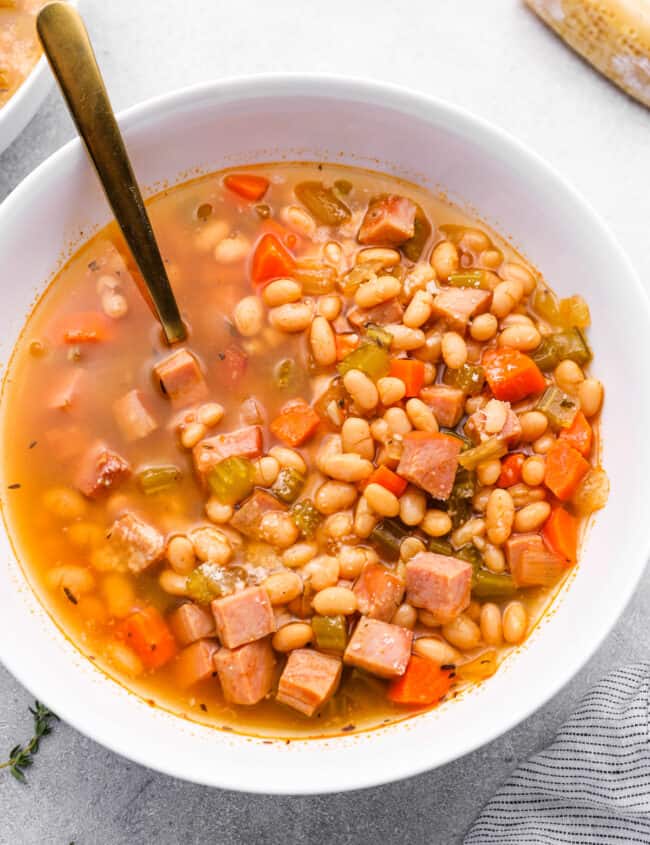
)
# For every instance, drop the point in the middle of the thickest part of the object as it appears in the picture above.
(347, 496)
(19, 45)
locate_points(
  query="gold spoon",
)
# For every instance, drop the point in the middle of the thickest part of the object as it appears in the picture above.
(71, 57)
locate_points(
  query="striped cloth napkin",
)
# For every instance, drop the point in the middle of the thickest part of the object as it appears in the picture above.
(591, 785)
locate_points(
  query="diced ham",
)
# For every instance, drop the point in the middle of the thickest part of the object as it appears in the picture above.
(180, 378)
(390, 220)
(67, 390)
(379, 648)
(245, 442)
(382, 314)
(195, 663)
(379, 592)
(135, 543)
(230, 366)
(243, 617)
(457, 305)
(248, 517)
(531, 563)
(430, 460)
(440, 584)
(495, 419)
(190, 623)
(309, 680)
(246, 673)
(132, 417)
(447, 403)
(101, 470)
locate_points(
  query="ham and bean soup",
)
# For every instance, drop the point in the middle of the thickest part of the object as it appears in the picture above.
(19, 45)
(347, 496)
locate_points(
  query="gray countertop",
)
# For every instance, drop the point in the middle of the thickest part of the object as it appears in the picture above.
(495, 59)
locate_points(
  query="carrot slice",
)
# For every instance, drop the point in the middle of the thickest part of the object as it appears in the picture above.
(388, 479)
(565, 469)
(296, 424)
(411, 372)
(511, 374)
(247, 185)
(424, 682)
(149, 636)
(345, 343)
(561, 533)
(511, 470)
(85, 327)
(270, 261)
(580, 435)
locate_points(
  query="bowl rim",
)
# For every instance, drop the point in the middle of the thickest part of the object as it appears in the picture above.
(338, 86)
(27, 99)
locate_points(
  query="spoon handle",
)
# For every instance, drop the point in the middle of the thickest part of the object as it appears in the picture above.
(71, 57)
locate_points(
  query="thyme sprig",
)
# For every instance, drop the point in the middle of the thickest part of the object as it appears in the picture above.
(21, 756)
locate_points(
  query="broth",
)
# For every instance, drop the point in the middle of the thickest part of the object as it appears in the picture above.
(69, 369)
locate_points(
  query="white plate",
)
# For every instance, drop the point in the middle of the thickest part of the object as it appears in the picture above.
(269, 118)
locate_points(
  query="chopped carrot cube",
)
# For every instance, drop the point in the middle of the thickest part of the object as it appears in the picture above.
(561, 533)
(296, 424)
(580, 435)
(271, 260)
(424, 682)
(86, 327)
(345, 343)
(388, 479)
(250, 186)
(149, 636)
(511, 374)
(511, 470)
(565, 469)
(411, 372)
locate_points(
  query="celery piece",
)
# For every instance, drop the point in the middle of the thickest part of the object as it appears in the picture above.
(413, 248)
(343, 186)
(480, 668)
(315, 277)
(556, 347)
(370, 358)
(359, 274)
(545, 303)
(470, 279)
(471, 554)
(330, 632)
(492, 585)
(440, 546)
(492, 448)
(288, 484)
(558, 407)
(285, 373)
(231, 480)
(154, 479)
(336, 395)
(459, 504)
(210, 581)
(323, 203)
(387, 535)
(379, 335)
(469, 378)
(306, 517)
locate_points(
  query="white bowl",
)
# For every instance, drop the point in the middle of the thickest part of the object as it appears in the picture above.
(23, 105)
(270, 118)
